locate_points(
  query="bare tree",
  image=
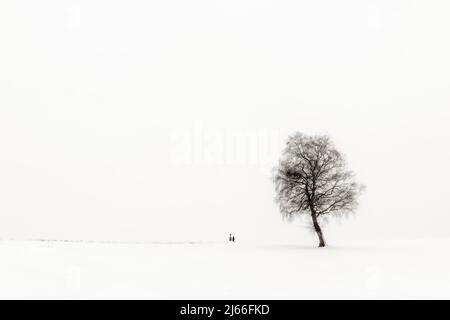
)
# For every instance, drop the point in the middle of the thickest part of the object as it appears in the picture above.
(312, 179)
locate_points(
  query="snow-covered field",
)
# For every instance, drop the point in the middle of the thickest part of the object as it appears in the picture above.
(410, 269)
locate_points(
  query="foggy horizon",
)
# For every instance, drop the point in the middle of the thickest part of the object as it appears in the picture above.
(93, 93)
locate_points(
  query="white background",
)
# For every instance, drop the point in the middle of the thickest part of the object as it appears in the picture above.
(91, 93)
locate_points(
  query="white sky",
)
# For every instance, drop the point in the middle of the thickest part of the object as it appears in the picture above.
(91, 93)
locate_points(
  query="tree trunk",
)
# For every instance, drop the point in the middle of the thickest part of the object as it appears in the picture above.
(318, 230)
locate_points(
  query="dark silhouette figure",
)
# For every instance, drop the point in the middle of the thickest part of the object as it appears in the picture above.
(232, 238)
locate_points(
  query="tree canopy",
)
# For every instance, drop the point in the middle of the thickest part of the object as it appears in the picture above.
(312, 178)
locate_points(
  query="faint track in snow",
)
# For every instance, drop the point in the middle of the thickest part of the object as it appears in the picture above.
(108, 241)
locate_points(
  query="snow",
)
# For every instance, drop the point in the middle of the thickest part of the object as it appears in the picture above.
(415, 269)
